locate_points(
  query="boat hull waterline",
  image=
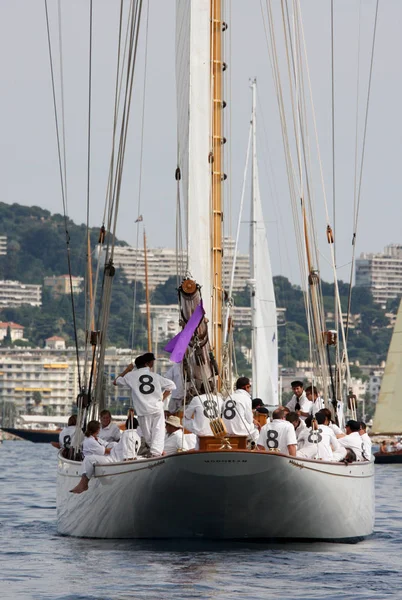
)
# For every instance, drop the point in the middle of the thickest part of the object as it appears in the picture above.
(219, 495)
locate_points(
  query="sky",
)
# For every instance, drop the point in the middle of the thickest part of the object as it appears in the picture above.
(28, 151)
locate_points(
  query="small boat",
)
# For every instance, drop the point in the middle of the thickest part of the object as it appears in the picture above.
(388, 414)
(38, 436)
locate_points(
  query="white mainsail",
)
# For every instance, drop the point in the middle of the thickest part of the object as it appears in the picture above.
(263, 305)
(194, 124)
(388, 414)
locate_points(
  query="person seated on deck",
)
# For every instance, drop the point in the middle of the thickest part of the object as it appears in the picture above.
(383, 447)
(349, 458)
(365, 439)
(353, 440)
(174, 439)
(297, 423)
(66, 434)
(94, 452)
(279, 435)
(109, 431)
(337, 430)
(319, 441)
(299, 402)
(317, 403)
(237, 411)
(200, 411)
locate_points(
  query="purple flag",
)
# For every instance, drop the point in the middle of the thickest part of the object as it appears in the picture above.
(177, 346)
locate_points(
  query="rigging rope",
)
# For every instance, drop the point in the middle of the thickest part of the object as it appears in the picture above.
(63, 192)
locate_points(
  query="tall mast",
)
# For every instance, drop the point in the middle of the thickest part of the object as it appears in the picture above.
(217, 175)
(253, 224)
(147, 294)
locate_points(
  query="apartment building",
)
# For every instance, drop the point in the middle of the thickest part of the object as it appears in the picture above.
(14, 293)
(3, 245)
(162, 264)
(54, 375)
(381, 273)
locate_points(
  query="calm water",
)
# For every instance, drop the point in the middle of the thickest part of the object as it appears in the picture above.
(35, 563)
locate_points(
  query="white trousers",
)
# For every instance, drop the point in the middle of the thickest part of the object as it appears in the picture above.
(153, 430)
(92, 460)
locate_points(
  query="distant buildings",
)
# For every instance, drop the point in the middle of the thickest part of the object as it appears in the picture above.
(16, 331)
(60, 284)
(381, 273)
(55, 343)
(14, 294)
(162, 264)
(3, 245)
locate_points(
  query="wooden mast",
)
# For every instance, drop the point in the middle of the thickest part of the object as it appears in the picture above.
(217, 176)
(147, 295)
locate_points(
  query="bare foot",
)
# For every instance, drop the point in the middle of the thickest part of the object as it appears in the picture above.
(81, 487)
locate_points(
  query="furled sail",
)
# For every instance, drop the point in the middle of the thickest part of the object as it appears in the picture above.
(263, 305)
(194, 125)
(388, 414)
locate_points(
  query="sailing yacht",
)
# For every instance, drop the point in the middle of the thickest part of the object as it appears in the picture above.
(388, 413)
(223, 490)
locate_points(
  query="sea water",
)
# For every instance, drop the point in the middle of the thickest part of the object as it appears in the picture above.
(36, 563)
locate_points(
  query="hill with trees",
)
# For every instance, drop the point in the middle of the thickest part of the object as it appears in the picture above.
(36, 247)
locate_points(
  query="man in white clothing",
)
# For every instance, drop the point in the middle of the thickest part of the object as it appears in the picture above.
(366, 440)
(66, 434)
(319, 442)
(175, 441)
(237, 411)
(297, 423)
(353, 440)
(109, 432)
(175, 374)
(200, 411)
(299, 402)
(148, 391)
(317, 403)
(278, 435)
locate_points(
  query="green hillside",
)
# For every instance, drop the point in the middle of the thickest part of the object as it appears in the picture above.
(37, 247)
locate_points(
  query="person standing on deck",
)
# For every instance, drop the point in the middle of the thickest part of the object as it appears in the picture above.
(237, 411)
(175, 374)
(148, 391)
(366, 439)
(316, 400)
(299, 402)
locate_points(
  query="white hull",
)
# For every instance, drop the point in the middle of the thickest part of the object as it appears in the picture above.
(219, 495)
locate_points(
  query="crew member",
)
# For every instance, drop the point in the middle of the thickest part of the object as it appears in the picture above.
(237, 412)
(317, 403)
(319, 441)
(175, 402)
(148, 391)
(174, 439)
(366, 439)
(353, 440)
(109, 431)
(94, 451)
(200, 411)
(279, 435)
(299, 402)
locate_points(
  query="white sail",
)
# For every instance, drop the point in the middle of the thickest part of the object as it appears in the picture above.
(194, 124)
(388, 414)
(263, 305)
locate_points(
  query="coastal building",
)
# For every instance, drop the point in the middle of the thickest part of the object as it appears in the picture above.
(51, 377)
(162, 264)
(14, 293)
(3, 245)
(55, 343)
(60, 284)
(381, 273)
(16, 331)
